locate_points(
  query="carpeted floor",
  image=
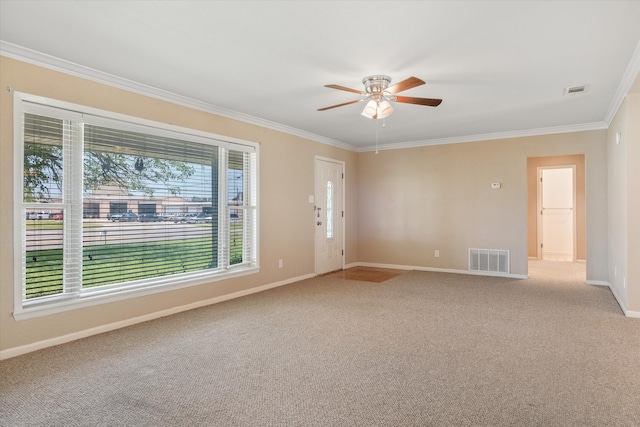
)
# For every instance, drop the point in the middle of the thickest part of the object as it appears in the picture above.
(419, 349)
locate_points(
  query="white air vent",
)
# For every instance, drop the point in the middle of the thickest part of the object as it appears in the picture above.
(576, 90)
(489, 260)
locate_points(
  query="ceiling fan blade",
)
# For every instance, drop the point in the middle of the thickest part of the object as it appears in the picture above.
(430, 102)
(409, 83)
(338, 105)
(359, 92)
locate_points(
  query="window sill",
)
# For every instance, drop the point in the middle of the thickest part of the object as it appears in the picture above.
(41, 308)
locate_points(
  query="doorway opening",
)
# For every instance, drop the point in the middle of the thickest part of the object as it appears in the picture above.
(563, 217)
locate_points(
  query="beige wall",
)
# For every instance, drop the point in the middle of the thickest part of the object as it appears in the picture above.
(633, 194)
(617, 204)
(416, 200)
(286, 181)
(533, 164)
(624, 202)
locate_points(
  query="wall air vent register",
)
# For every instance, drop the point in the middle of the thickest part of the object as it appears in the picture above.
(489, 260)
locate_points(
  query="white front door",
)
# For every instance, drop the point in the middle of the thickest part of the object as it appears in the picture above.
(557, 214)
(329, 215)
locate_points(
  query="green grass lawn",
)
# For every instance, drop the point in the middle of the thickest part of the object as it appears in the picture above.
(117, 263)
(44, 224)
(52, 224)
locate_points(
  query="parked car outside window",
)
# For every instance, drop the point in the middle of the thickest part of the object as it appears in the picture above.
(183, 217)
(125, 217)
(200, 218)
(39, 215)
(149, 217)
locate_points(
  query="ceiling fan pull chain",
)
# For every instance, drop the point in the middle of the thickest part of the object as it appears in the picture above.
(376, 122)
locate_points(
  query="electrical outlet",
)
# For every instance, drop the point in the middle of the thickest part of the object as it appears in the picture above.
(279, 263)
(436, 253)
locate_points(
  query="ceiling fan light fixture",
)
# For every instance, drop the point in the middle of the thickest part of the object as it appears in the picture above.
(370, 110)
(384, 109)
(377, 109)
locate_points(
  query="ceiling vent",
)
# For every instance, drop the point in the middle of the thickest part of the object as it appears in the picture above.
(574, 90)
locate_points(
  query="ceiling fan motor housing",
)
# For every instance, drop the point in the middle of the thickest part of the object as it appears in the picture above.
(374, 85)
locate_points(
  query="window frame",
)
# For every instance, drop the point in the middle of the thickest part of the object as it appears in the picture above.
(25, 309)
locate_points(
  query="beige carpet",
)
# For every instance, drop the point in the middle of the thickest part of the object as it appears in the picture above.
(420, 349)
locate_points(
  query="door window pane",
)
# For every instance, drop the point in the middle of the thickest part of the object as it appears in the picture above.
(329, 209)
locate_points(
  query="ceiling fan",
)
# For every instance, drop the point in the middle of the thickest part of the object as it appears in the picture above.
(379, 94)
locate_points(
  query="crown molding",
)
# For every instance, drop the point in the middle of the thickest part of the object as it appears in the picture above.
(40, 59)
(489, 136)
(628, 78)
(50, 62)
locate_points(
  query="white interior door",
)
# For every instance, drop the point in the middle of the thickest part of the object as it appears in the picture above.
(329, 216)
(557, 214)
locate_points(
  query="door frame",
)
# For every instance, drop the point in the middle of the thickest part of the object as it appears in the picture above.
(342, 217)
(573, 210)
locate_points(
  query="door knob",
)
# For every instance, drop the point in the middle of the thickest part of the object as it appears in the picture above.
(319, 222)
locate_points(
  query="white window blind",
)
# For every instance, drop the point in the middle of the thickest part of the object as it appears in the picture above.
(109, 206)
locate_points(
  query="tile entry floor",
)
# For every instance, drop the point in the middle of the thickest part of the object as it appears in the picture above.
(367, 274)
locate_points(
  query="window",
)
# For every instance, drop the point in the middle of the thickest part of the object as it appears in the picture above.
(112, 206)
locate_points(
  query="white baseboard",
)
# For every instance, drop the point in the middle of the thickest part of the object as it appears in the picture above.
(623, 306)
(439, 270)
(597, 283)
(17, 351)
(619, 300)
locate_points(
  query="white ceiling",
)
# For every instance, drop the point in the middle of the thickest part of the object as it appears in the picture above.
(500, 67)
